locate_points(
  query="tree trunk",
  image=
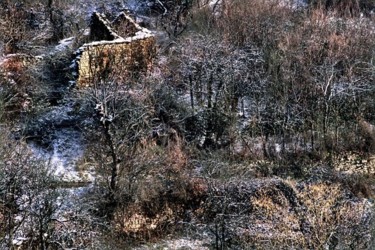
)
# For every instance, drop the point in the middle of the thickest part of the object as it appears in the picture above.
(191, 93)
(113, 156)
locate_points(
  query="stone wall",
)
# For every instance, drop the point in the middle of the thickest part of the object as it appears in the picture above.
(125, 26)
(100, 28)
(115, 53)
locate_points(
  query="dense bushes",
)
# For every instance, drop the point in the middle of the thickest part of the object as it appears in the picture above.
(314, 75)
(242, 81)
(255, 80)
(27, 201)
(345, 7)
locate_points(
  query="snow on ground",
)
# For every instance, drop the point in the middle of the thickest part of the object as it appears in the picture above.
(64, 154)
(295, 4)
(65, 147)
(64, 44)
(182, 244)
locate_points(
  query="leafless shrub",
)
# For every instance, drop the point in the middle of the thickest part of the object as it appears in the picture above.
(309, 214)
(316, 65)
(344, 7)
(174, 17)
(27, 199)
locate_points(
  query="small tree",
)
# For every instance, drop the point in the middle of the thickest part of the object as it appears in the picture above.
(122, 117)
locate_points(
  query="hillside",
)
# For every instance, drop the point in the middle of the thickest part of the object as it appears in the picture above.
(187, 124)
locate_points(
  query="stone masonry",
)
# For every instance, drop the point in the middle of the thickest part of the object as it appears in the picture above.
(120, 47)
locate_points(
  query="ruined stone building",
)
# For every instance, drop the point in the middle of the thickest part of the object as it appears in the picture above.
(120, 47)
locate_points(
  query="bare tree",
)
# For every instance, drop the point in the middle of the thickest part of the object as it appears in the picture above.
(27, 197)
(122, 116)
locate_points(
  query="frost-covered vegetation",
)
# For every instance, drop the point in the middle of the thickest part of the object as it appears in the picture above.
(254, 127)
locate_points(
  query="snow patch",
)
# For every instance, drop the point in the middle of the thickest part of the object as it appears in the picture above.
(64, 44)
(63, 156)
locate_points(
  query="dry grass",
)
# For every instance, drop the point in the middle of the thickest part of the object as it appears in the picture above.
(161, 192)
(259, 21)
(269, 213)
(299, 50)
(309, 57)
(330, 214)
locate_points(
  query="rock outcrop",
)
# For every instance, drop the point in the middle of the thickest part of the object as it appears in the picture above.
(121, 46)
